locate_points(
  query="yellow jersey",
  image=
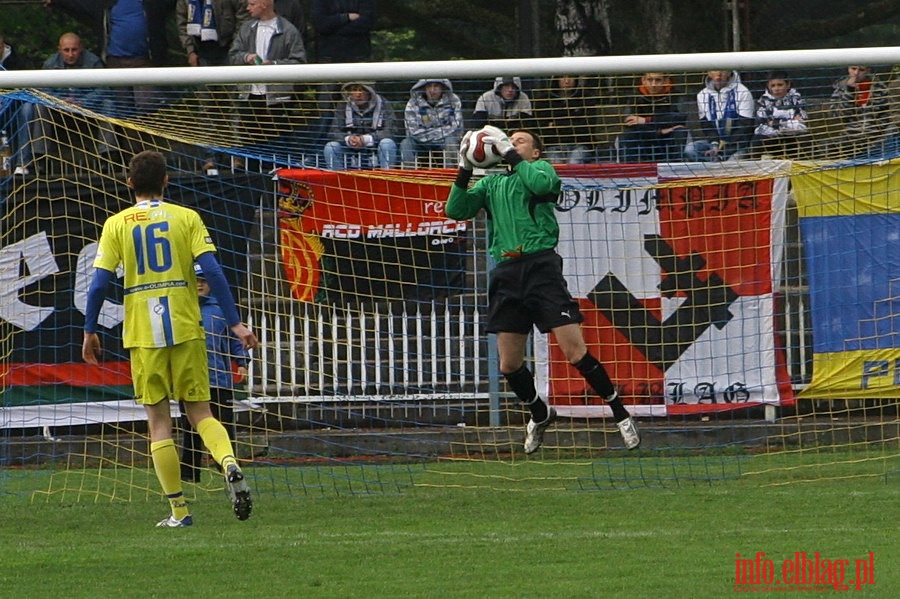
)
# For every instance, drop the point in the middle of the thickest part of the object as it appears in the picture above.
(156, 244)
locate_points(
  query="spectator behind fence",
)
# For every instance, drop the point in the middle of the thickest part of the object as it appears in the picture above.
(206, 29)
(343, 33)
(781, 119)
(564, 111)
(292, 10)
(434, 122)
(893, 91)
(133, 34)
(861, 106)
(727, 119)
(71, 54)
(504, 106)
(343, 29)
(362, 129)
(654, 127)
(267, 39)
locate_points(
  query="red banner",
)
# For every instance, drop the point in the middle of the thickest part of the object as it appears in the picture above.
(366, 235)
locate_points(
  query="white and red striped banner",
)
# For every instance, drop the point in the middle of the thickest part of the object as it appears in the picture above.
(677, 282)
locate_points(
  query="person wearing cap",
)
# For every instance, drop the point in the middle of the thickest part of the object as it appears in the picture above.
(222, 348)
(504, 106)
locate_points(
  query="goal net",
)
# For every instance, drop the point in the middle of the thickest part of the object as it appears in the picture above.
(745, 307)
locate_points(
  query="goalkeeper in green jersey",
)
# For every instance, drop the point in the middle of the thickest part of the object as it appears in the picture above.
(527, 287)
(156, 244)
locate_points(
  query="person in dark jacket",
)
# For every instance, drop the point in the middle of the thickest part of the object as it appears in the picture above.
(42, 119)
(13, 121)
(861, 105)
(564, 109)
(206, 42)
(292, 10)
(362, 128)
(654, 127)
(343, 29)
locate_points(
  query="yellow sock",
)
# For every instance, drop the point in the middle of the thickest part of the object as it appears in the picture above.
(165, 463)
(215, 437)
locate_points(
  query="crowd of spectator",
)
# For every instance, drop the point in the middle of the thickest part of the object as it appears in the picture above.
(581, 119)
(581, 122)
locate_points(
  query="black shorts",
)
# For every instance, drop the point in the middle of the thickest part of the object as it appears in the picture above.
(530, 291)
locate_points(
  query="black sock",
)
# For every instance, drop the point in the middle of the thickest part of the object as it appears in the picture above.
(594, 373)
(539, 410)
(521, 382)
(618, 410)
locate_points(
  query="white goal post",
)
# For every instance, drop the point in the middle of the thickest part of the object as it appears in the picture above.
(449, 68)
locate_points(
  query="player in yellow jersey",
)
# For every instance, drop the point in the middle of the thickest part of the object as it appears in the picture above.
(156, 244)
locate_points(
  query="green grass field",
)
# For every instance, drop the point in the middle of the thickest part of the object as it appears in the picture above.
(442, 536)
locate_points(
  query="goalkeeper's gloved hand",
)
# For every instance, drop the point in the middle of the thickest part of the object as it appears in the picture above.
(500, 140)
(463, 148)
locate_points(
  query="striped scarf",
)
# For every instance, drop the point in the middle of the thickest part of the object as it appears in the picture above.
(725, 123)
(202, 20)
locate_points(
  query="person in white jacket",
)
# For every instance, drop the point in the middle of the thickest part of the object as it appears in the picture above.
(727, 119)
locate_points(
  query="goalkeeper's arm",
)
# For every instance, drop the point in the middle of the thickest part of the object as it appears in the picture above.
(464, 175)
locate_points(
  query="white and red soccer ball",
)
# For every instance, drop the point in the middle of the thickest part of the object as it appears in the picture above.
(481, 153)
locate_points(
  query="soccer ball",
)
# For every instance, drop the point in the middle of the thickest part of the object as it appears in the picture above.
(480, 153)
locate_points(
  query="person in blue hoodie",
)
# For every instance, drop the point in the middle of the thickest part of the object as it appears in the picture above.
(434, 122)
(221, 348)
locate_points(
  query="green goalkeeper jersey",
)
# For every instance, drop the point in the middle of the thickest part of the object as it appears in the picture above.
(520, 206)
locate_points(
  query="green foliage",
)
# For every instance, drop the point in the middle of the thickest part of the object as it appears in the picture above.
(392, 45)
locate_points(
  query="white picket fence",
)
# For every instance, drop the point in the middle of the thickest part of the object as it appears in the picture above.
(381, 352)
